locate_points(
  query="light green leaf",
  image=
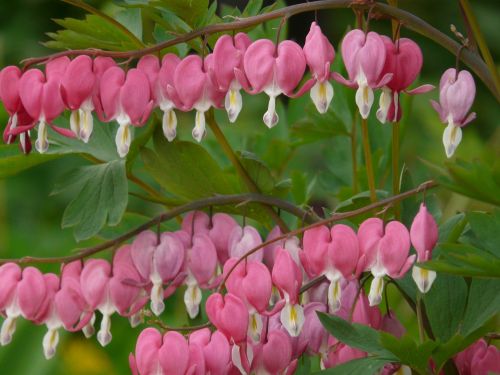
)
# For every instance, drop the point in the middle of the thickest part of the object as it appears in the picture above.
(101, 199)
(191, 11)
(486, 229)
(361, 366)
(13, 161)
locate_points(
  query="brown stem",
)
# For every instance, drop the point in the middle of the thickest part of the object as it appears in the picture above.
(411, 21)
(335, 217)
(219, 200)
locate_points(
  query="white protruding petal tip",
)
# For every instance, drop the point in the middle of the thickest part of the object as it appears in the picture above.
(423, 278)
(104, 335)
(157, 304)
(74, 122)
(334, 294)
(255, 326)
(322, 95)
(89, 329)
(271, 118)
(42, 142)
(123, 140)
(376, 289)
(233, 104)
(7, 331)
(384, 105)
(452, 137)
(364, 100)
(199, 127)
(292, 317)
(87, 125)
(169, 124)
(50, 341)
(192, 300)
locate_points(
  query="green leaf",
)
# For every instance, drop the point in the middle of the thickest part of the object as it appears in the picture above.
(132, 20)
(355, 335)
(186, 169)
(101, 199)
(258, 172)
(445, 305)
(483, 303)
(486, 229)
(191, 11)
(315, 127)
(360, 366)
(13, 161)
(408, 351)
(253, 8)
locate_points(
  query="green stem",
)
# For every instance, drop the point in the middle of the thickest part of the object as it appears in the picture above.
(481, 42)
(395, 166)
(368, 160)
(354, 146)
(240, 169)
(420, 320)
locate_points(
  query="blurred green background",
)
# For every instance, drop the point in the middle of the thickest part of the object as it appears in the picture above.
(30, 217)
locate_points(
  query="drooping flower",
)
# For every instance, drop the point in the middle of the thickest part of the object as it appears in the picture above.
(384, 251)
(160, 78)
(424, 236)
(242, 240)
(228, 56)
(18, 117)
(274, 70)
(158, 263)
(41, 97)
(229, 315)
(334, 253)
(10, 275)
(193, 88)
(404, 61)
(77, 89)
(126, 98)
(478, 359)
(287, 276)
(456, 95)
(319, 54)
(364, 58)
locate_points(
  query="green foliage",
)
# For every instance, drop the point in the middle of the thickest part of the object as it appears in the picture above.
(12, 161)
(361, 366)
(101, 198)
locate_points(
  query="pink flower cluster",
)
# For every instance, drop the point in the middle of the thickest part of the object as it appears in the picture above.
(84, 86)
(199, 255)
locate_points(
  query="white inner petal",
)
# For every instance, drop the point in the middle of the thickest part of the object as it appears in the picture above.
(452, 137)
(423, 278)
(292, 317)
(384, 104)
(169, 124)
(42, 142)
(321, 95)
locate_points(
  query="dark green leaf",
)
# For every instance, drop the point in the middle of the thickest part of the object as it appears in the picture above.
(258, 172)
(191, 11)
(445, 305)
(102, 198)
(486, 228)
(483, 303)
(253, 8)
(13, 161)
(361, 366)
(355, 335)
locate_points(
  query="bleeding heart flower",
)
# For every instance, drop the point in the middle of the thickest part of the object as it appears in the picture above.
(158, 263)
(77, 89)
(384, 251)
(424, 235)
(319, 54)
(41, 97)
(125, 98)
(228, 56)
(478, 359)
(18, 117)
(215, 349)
(10, 275)
(201, 264)
(404, 61)
(275, 70)
(218, 228)
(229, 315)
(335, 253)
(287, 276)
(251, 282)
(243, 240)
(456, 95)
(364, 58)
(313, 335)
(193, 88)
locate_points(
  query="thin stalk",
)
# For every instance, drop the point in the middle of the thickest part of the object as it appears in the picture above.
(235, 161)
(481, 42)
(354, 146)
(368, 160)
(395, 165)
(420, 320)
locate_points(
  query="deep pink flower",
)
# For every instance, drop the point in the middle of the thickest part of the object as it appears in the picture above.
(10, 275)
(287, 277)
(215, 349)
(384, 251)
(158, 263)
(424, 235)
(228, 56)
(456, 95)
(335, 253)
(193, 88)
(404, 61)
(319, 54)
(241, 240)
(41, 97)
(9, 95)
(218, 228)
(364, 58)
(229, 315)
(275, 70)
(126, 98)
(478, 359)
